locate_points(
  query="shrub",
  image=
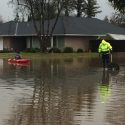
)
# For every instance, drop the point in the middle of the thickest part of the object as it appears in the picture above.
(37, 49)
(68, 50)
(79, 50)
(32, 50)
(5, 51)
(54, 50)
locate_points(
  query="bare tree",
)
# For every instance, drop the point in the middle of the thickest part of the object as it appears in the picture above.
(118, 5)
(118, 19)
(41, 8)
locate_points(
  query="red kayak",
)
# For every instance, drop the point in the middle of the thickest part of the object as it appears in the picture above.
(19, 64)
(19, 60)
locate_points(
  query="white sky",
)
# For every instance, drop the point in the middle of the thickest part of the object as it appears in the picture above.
(6, 11)
(106, 9)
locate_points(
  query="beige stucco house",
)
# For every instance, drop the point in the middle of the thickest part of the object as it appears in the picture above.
(75, 32)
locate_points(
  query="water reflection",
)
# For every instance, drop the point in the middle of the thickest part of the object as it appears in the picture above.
(71, 91)
(104, 87)
(115, 108)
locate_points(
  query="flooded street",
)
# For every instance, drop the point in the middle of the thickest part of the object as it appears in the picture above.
(71, 91)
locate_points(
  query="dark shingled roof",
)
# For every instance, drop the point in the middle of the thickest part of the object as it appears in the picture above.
(90, 26)
(79, 26)
(7, 28)
(25, 29)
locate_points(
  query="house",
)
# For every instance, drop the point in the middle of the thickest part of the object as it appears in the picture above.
(75, 32)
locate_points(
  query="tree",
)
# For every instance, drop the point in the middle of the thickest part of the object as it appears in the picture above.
(79, 6)
(91, 8)
(68, 7)
(88, 8)
(118, 5)
(17, 17)
(37, 15)
(118, 19)
(106, 19)
(39, 11)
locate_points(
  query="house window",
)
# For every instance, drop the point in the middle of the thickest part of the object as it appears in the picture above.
(54, 41)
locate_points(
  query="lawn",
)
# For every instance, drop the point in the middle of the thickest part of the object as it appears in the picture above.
(49, 55)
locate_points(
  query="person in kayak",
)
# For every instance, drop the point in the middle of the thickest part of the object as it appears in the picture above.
(104, 50)
(17, 56)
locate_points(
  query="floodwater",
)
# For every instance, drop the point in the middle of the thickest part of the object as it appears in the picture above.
(71, 91)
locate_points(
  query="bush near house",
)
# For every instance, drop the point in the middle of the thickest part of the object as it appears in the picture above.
(79, 50)
(6, 51)
(32, 50)
(68, 50)
(54, 50)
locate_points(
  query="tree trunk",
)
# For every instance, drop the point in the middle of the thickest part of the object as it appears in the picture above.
(43, 43)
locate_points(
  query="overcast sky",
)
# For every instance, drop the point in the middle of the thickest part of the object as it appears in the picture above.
(106, 9)
(7, 14)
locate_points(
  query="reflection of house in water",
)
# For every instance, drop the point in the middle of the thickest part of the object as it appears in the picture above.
(1, 65)
(54, 67)
(60, 95)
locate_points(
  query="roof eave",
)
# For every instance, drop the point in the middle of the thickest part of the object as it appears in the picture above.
(94, 35)
(79, 35)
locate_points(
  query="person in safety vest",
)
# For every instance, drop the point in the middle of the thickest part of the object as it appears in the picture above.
(105, 49)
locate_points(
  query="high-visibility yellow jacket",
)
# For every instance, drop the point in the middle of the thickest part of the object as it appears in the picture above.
(104, 47)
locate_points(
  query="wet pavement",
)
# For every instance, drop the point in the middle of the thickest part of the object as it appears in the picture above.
(71, 91)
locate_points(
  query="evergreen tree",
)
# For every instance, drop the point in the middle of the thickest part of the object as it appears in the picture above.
(106, 19)
(17, 18)
(91, 9)
(68, 7)
(79, 6)
(88, 8)
(118, 5)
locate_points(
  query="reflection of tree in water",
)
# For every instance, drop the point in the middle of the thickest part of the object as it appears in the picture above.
(56, 97)
(49, 106)
(85, 101)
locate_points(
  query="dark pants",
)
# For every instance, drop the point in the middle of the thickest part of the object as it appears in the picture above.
(105, 60)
